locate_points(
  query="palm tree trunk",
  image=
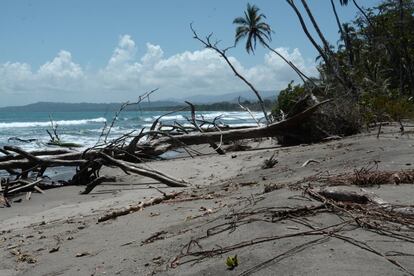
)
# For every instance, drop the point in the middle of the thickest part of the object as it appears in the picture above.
(344, 35)
(338, 73)
(305, 29)
(321, 52)
(338, 22)
(316, 26)
(401, 10)
(363, 13)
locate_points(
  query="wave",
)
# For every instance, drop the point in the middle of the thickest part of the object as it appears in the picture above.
(47, 124)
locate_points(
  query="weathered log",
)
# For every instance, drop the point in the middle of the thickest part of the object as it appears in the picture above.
(97, 182)
(157, 175)
(22, 188)
(49, 162)
(137, 207)
(162, 144)
(362, 197)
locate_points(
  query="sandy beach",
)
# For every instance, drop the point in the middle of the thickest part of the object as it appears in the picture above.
(57, 233)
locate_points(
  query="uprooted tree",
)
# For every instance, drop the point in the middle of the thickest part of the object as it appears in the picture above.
(129, 153)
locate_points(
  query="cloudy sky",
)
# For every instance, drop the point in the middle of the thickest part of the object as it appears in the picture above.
(112, 51)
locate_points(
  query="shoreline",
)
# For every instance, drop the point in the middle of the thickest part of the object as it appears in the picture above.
(221, 186)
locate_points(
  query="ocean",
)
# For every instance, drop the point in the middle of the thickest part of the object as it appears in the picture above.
(84, 128)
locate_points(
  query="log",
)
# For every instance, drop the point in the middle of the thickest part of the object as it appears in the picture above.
(131, 167)
(22, 188)
(362, 197)
(36, 153)
(161, 144)
(137, 207)
(26, 159)
(25, 163)
(96, 182)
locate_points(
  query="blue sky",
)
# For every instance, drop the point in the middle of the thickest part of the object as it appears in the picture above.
(112, 50)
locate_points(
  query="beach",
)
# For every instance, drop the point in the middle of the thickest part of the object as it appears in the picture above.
(226, 205)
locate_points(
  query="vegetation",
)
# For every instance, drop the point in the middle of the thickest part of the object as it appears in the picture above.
(369, 74)
(252, 27)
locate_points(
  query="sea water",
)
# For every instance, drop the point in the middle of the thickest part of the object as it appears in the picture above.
(85, 128)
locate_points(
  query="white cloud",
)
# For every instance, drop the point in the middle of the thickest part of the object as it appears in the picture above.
(61, 67)
(15, 77)
(154, 55)
(124, 53)
(125, 75)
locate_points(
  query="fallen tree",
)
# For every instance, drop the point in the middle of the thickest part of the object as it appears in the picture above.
(168, 142)
(127, 151)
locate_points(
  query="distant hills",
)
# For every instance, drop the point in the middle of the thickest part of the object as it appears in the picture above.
(230, 97)
(79, 107)
(204, 100)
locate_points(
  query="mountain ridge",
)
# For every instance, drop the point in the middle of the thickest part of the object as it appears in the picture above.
(148, 105)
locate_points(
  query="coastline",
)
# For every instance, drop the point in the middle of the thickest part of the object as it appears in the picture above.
(221, 185)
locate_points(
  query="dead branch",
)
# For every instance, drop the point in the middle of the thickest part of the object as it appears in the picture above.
(22, 188)
(130, 167)
(218, 149)
(365, 177)
(137, 207)
(222, 52)
(245, 108)
(97, 182)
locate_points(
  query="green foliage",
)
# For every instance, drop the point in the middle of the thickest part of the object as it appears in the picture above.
(252, 27)
(376, 55)
(387, 107)
(232, 262)
(287, 99)
(378, 48)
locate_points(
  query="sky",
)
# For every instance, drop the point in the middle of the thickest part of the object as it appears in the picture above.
(113, 51)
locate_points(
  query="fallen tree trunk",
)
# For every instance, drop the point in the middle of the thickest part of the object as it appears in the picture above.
(160, 145)
(157, 175)
(38, 153)
(137, 207)
(115, 153)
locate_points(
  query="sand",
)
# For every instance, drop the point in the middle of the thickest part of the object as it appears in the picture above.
(59, 233)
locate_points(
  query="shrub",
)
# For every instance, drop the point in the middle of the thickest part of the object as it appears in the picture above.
(287, 99)
(340, 117)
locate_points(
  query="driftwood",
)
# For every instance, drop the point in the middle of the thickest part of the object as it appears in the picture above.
(361, 197)
(137, 207)
(130, 167)
(126, 151)
(216, 147)
(95, 183)
(27, 186)
(160, 145)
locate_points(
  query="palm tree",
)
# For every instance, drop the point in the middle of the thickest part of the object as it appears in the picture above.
(253, 27)
(344, 34)
(361, 10)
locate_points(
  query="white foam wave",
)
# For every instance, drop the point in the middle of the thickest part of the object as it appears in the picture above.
(172, 118)
(47, 124)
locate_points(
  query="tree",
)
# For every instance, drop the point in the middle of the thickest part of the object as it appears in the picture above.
(253, 27)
